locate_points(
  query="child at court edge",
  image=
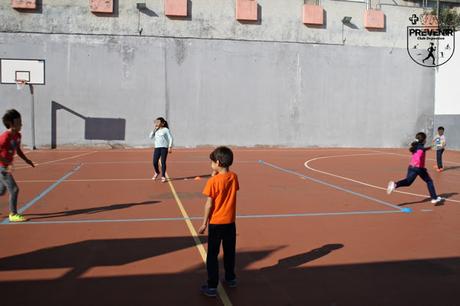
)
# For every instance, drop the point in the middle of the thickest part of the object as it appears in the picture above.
(439, 144)
(10, 144)
(219, 218)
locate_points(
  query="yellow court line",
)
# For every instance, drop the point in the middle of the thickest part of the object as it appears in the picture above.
(220, 290)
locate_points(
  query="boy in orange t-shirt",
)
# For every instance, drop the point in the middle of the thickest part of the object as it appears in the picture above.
(219, 215)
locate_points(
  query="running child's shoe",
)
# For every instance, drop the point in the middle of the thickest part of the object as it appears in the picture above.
(437, 200)
(391, 187)
(17, 218)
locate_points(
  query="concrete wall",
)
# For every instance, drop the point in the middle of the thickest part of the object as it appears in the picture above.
(219, 81)
(215, 19)
(447, 106)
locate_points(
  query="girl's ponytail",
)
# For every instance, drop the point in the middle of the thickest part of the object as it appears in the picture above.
(413, 146)
(419, 139)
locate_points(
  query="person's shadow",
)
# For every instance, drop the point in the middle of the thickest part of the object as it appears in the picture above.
(443, 195)
(300, 259)
(185, 178)
(451, 168)
(90, 210)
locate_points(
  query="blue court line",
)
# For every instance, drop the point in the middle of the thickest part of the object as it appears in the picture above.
(259, 216)
(405, 209)
(44, 192)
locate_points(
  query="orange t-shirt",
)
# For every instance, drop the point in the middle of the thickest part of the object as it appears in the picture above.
(222, 189)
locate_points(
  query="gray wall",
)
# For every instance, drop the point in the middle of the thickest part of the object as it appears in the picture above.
(225, 82)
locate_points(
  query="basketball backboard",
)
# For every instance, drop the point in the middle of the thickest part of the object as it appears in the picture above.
(31, 71)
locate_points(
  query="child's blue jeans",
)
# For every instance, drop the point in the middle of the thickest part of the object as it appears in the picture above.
(439, 158)
(7, 182)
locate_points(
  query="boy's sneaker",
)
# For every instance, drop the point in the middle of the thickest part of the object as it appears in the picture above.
(437, 200)
(439, 169)
(212, 292)
(391, 187)
(17, 218)
(231, 283)
(154, 177)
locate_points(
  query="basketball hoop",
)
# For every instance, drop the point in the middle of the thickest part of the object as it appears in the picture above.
(20, 84)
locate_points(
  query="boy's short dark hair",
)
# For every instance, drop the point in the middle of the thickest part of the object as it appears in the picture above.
(224, 155)
(9, 116)
(441, 128)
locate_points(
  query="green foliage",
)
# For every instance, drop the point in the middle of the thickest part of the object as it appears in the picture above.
(448, 18)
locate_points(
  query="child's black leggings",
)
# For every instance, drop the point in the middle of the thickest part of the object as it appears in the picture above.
(157, 154)
(412, 173)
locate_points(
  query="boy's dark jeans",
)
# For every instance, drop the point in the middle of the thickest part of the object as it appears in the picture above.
(412, 173)
(227, 234)
(439, 158)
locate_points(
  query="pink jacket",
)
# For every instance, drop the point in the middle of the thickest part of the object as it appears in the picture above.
(418, 158)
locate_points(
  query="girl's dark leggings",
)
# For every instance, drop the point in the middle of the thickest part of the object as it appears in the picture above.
(412, 173)
(157, 154)
(439, 158)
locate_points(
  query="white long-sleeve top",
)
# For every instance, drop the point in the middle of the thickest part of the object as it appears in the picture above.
(162, 138)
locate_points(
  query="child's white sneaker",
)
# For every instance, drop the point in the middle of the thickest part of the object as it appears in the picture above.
(155, 176)
(437, 200)
(391, 187)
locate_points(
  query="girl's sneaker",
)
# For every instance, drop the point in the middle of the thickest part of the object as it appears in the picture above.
(155, 176)
(437, 200)
(212, 292)
(163, 179)
(17, 218)
(391, 187)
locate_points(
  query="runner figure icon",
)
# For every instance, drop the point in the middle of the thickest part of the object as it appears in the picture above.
(430, 50)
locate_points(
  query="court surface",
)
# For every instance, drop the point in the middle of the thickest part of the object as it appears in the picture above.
(315, 227)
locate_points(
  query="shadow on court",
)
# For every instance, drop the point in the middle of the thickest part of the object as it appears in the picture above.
(427, 200)
(185, 178)
(300, 259)
(87, 211)
(451, 168)
(397, 283)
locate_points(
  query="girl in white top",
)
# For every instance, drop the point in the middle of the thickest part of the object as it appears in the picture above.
(163, 145)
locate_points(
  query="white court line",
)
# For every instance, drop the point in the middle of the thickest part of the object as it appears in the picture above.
(432, 159)
(90, 180)
(306, 164)
(56, 160)
(334, 186)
